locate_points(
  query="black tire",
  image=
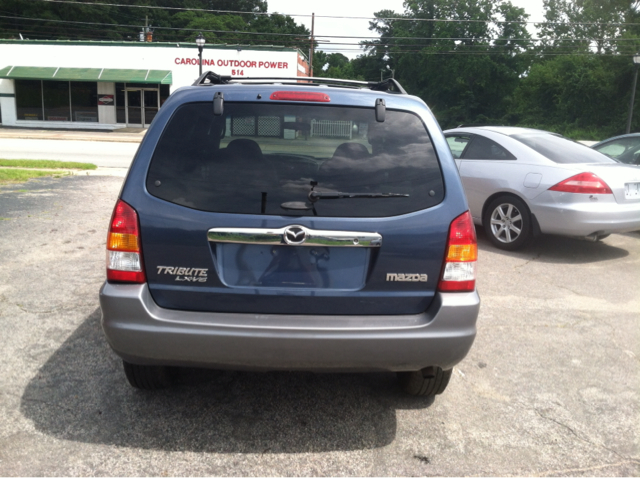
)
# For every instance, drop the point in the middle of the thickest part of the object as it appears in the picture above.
(428, 382)
(507, 223)
(147, 377)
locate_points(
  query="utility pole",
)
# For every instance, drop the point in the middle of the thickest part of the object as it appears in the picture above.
(313, 18)
(144, 34)
(636, 61)
(148, 34)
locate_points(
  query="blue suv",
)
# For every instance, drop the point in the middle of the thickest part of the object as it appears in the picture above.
(292, 224)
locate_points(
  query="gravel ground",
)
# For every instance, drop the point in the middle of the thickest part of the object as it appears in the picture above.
(551, 386)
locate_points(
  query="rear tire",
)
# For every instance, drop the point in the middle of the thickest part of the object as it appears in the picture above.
(507, 222)
(428, 382)
(147, 377)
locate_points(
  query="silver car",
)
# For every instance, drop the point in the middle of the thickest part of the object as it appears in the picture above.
(522, 182)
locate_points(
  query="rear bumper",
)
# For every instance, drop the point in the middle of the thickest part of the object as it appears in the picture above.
(578, 215)
(141, 332)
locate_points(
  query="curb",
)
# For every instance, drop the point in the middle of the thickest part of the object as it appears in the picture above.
(119, 172)
(71, 136)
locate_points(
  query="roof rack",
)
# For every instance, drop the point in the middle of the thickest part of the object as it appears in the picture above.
(209, 78)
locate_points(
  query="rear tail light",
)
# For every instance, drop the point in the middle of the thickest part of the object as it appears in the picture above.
(300, 96)
(124, 256)
(459, 271)
(583, 183)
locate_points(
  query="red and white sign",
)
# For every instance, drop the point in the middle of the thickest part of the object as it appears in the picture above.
(105, 100)
(247, 67)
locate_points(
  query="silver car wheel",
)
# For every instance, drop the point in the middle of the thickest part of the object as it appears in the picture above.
(506, 223)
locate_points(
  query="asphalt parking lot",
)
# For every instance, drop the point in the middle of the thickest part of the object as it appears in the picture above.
(551, 386)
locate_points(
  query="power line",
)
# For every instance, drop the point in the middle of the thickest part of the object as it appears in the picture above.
(412, 19)
(384, 40)
(484, 53)
(487, 49)
(493, 50)
(374, 42)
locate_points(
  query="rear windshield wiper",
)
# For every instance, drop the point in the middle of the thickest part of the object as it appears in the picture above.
(315, 195)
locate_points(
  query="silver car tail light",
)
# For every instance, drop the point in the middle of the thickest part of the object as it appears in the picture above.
(583, 183)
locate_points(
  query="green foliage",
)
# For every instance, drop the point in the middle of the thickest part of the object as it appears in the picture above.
(580, 85)
(370, 66)
(585, 25)
(480, 72)
(53, 13)
(45, 164)
(457, 67)
(22, 175)
(21, 170)
(586, 93)
(169, 24)
(333, 65)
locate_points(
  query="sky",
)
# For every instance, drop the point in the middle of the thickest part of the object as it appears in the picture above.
(358, 8)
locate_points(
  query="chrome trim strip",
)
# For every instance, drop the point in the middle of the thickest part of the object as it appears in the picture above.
(292, 236)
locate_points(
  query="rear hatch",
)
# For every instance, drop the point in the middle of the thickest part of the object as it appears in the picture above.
(294, 208)
(622, 179)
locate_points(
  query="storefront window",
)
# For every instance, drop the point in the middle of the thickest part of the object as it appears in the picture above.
(150, 105)
(164, 93)
(84, 101)
(77, 101)
(28, 99)
(56, 100)
(120, 104)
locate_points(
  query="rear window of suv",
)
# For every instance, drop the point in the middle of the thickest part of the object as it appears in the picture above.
(261, 158)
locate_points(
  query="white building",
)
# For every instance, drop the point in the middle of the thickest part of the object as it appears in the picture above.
(108, 85)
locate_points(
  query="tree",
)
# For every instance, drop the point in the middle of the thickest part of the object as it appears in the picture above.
(577, 95)
(580, 82)
(50, 17)
(457, 56)
(583, 26)
(333, 65)
(171, 21)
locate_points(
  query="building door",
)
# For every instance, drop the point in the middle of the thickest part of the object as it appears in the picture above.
(151, 103)
(134, 107)
(141, 106)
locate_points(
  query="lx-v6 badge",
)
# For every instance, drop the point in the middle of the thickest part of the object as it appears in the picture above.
(392, 277)
(184, 274)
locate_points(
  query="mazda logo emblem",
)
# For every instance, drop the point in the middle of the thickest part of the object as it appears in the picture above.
(295, 235)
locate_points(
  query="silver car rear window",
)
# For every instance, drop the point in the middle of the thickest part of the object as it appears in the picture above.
(265, 158)
(561, 150)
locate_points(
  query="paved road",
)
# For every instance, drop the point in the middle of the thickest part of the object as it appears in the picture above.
(100, 153)
(105, 149)
(551, 386)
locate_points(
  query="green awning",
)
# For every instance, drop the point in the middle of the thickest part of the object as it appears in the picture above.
(87, 74)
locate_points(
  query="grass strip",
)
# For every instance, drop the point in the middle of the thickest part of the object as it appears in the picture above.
(45, 163)
(22, 175)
